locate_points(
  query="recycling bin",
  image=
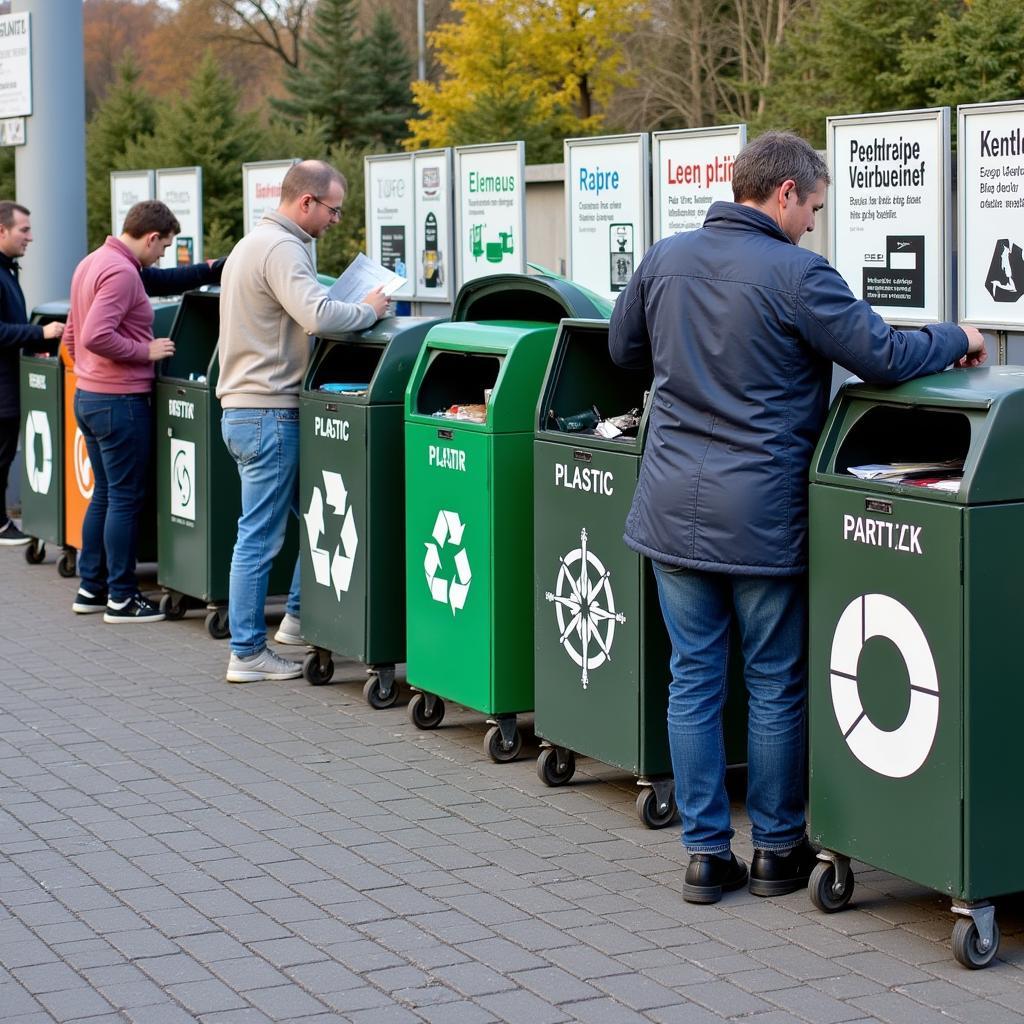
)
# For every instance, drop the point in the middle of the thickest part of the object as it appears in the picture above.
(601, 654)
(79, 481)
(41, 386)
(352, 544)
(198, 493)
(916, 524)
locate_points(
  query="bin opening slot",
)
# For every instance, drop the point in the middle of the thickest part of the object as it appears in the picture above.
(457, 385)
(516, 304)
(347, 367)
(894, 444)
(195, 332)
(591, 396)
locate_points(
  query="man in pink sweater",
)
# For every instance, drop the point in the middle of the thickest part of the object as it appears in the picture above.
(109, 336)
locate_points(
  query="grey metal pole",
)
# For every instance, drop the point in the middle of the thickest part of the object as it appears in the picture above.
(421, 39)
(50, 168)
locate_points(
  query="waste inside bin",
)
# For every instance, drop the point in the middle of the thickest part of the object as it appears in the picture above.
(602, 653)
(916, 513)
(198, 490)
(352, 498)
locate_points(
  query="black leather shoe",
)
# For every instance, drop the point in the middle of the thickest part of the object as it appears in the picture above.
(708, 876)
(775, 874)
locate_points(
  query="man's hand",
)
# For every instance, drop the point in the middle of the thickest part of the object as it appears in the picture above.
(378, 300)
(976, 352)
(53, 330)
(160, 348)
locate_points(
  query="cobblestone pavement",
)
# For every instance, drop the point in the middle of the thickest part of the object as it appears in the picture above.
(174, 849)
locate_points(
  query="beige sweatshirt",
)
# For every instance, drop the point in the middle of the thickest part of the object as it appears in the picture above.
(270, 304)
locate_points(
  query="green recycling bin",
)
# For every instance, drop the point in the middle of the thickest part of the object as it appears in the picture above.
(352, 500)
(198, 492)
(469, 411)
(601, 655)
(916, 533)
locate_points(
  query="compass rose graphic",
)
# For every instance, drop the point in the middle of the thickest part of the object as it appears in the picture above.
(585, 608)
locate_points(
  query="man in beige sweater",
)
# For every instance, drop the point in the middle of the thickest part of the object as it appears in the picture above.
(270, 305)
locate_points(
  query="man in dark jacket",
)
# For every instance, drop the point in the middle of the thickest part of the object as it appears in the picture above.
(16, 335)
(741, 327)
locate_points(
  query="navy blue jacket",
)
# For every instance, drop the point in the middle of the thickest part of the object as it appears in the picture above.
(742, 327)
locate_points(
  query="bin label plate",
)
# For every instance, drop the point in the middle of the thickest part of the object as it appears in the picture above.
(333, 563)
(38, 451)
(447, 533)
(183, 480)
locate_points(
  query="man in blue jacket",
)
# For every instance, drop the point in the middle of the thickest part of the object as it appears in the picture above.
(741, 327)
(16, 335)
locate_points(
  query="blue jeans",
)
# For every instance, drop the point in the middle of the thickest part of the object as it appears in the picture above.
(265, 445)
(770, 613)
(118, 433)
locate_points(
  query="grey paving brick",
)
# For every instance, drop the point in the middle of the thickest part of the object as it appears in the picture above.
(555, 985)
(516, 1006)
(285, 1002)
(725, 998)
(810, 1005)
(71, 1003)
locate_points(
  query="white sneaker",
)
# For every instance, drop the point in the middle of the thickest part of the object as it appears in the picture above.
(290, 632)
(257, 667)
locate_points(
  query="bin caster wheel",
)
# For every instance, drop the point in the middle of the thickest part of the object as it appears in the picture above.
(553, 772)
(374, 697)
(173, 606)
(821, 887)
(35, 552)
(653, 813)
(315, 671)
(67, 564)
(496, 749)
(423, 714)
(966, 946)
(217, 623)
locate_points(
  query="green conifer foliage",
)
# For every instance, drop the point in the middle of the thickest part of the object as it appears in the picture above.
(387, 103)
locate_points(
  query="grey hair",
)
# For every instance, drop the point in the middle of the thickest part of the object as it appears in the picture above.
(772, 158)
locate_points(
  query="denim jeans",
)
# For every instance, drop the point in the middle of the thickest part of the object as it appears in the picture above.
(770, 613)
(118, 437)
(265, 445)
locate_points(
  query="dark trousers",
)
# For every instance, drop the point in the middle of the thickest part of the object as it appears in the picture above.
(8, 447)
(118, 436)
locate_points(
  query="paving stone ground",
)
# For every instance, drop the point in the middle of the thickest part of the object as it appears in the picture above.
(177, 849)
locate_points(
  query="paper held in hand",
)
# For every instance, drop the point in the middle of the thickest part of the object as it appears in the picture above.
(362, 275)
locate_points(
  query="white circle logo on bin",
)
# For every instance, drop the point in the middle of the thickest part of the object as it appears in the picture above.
(901, 752)
(447, 532)
(183, 475)
(83, 466)
(585, 608)
(38, 465)
(332, 569)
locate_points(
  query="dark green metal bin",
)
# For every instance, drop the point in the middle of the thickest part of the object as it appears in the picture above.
(352, 498)
(915, 696)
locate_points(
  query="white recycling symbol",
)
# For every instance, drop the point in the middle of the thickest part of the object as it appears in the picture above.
(585, 608)
(37, 424)
(331, 569)
(448, 530)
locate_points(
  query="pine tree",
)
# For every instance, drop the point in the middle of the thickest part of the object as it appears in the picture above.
(126, 114)
(387, 103)
(330, 81)
(206, 129)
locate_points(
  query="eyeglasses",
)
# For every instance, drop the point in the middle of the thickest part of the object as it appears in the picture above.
(335, 210)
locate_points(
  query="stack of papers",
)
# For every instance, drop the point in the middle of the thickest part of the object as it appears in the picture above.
(940, 476)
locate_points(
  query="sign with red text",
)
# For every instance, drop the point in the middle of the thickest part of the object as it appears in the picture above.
(390, 216)
(261, 189)
(990, 237)
(691, 170)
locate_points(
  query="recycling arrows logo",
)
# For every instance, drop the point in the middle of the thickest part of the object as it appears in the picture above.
(83, 465)
(40, 471)
(447, 532)
(332, 570)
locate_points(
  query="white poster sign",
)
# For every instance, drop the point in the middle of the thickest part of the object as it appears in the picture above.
(607, 209)
(433, 257)
(691, 170)
(390, 216)
(15, 65)
(261, 189)
(490, 210)
(890, 233)
(990, 242)
(126, 189)
(181, 188)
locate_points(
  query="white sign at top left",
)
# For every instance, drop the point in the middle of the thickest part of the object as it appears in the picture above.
(15, 65)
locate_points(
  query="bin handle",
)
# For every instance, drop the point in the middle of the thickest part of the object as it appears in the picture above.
(581, 456)
(331, 407)
(180, 391)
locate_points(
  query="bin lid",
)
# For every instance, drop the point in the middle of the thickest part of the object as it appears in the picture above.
(55, 310)
(539, 298)
(990, 401)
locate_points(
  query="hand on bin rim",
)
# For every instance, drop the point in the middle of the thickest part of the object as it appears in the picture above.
(976, 351)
